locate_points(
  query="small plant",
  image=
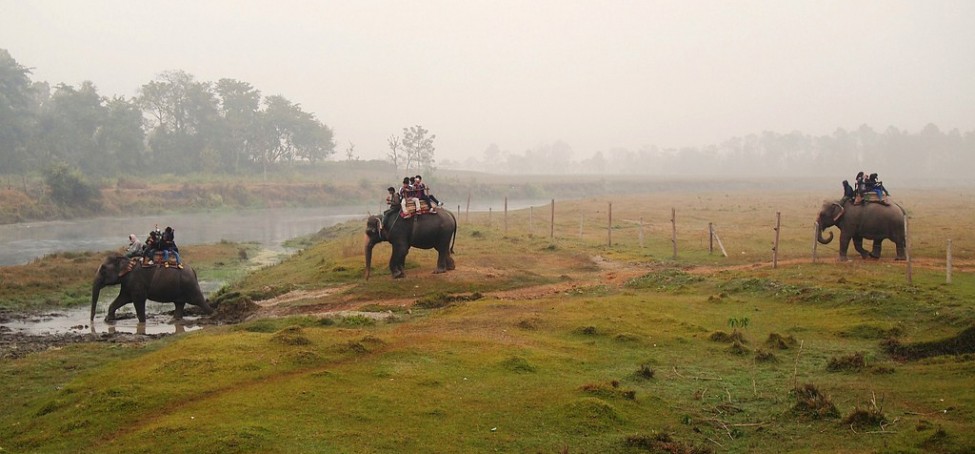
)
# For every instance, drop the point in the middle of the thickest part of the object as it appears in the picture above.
(645, 371)
(735, 323)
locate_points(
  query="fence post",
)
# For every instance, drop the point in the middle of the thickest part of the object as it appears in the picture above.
(467, 216)
(710, 238)
(641, 231)
(505, 215)
(551, 233)
(775, 246)
(609, 227)
(531, 224)
(907, 251)
(489, 216)
(673, 230)
(948, 267)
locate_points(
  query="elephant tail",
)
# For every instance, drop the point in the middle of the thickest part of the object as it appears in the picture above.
(453, 236)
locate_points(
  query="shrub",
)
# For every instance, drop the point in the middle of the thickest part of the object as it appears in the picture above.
(854, 362)
(812, 403)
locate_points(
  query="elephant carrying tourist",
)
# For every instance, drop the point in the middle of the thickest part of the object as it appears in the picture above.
(871, 220)
(427, 231)
(157, 283)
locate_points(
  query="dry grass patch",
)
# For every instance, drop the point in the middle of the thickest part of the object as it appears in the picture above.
(811, 403)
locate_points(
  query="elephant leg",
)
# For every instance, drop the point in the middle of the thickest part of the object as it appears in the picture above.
(442, 254)
(844, 246)
(858, 245)
(140, 308)
(901, 246)
(450, 262)
(119, 301)
(877, 249)
(397, 262)
(178, 314)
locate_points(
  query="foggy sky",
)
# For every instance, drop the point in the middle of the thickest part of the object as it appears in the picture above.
(522, 73)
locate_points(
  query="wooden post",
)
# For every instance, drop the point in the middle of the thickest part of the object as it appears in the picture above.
(775, 246)
(907, 251)
(673, 227)
(710, 238)
(505, 215)
(641, 232)
(718, 239)
(551, 233)
(948, 267)
(815, 239)
(531, 228)
(489, 216)
(609, 227)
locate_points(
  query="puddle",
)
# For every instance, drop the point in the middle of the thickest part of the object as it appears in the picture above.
(75, 321)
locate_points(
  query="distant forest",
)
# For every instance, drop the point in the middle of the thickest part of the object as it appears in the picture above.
(176, 124)
(929, 154)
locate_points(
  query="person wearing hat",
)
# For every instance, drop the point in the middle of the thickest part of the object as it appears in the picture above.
(135, 246)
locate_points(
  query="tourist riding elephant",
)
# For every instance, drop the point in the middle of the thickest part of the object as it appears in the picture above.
(870, 220)
(426, 231)
(160, 284)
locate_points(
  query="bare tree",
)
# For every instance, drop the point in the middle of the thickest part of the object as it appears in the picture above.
(395, 154)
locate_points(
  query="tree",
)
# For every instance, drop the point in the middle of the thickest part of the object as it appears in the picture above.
(350, 153)
(67, 127)
(183, 120)
(418, 149)
(239, 104)
(69, 188)
(17, 114)
(395, 153)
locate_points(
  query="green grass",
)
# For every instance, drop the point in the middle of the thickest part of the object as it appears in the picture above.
(559, 352)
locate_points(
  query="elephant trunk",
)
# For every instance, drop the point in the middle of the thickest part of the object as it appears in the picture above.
(821, 239)
(369, 245)
(96, 287)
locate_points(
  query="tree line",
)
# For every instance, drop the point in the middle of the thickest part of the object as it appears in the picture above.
(175, 124)
(930, 153)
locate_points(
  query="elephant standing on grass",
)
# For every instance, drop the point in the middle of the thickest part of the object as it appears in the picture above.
(160, 284)
(427, 231)
(870, 220)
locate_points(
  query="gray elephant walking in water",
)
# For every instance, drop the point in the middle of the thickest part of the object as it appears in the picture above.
(157, 283)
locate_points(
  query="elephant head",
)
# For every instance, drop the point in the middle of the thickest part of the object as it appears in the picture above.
(829, 214)
(107, 274)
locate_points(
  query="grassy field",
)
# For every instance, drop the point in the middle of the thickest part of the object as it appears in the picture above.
(551, 343)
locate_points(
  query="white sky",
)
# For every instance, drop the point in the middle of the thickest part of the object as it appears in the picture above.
(596, 74)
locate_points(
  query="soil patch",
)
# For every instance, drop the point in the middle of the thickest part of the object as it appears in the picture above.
(961, 344)
(15, 345)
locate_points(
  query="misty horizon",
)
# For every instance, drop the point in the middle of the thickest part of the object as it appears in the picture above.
(524, 76)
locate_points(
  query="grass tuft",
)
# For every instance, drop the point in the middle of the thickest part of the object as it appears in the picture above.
(813, 404)
(778, 342)
(292, 335)
(734, 337)
(854, 362)
(663, 442)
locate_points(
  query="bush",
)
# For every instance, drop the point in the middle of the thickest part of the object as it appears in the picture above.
(69, 188)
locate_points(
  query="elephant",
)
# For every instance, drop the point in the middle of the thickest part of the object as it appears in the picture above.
(427, 231)
(161, 284)
(870, 220)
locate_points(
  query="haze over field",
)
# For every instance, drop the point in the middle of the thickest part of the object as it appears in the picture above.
(578, 76)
